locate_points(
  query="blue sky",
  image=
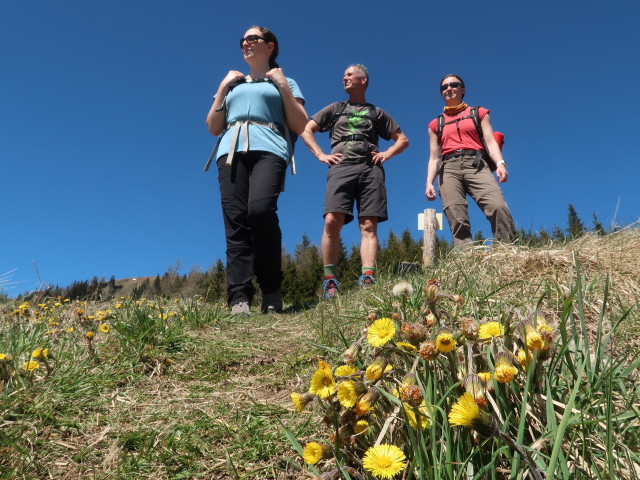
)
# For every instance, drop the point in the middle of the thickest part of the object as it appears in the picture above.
(103, 140)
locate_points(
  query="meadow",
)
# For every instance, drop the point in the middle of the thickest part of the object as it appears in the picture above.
(502, 363)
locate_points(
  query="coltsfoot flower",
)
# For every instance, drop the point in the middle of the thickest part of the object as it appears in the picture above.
(490, 329)
(384, 461)
(322, 383)
(429, 350)
(366, 402)
(474, 385)
(380, 332)
(314, 452)
(301, 400)
(351, 353)
(504, 370)
(347, 394)
(422, 420)
(445, 341)
(532, 337)
(411, 394)
(402, 289)
(30, 366)
(360, 426)
(466, 413)
(414, 332)
(104, 328)
(469, 327)
(345, 371)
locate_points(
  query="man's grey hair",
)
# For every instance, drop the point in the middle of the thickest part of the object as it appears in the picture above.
(362, 70)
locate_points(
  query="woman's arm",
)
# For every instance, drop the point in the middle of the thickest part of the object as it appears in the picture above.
(494, 149)
(294, 111)
(216, 119)
(434, 163)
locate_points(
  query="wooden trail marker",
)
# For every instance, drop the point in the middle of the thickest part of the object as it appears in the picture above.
(429, 222)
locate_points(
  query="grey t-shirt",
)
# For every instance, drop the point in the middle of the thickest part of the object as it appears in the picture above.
(357, 118)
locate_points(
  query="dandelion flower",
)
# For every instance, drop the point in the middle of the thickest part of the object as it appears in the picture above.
(490, 329)
(104, 328)
(347, 395)
(384, 461)
(402, 289)
(301, 400)
(322, 383)
(314, 452)
(504, 370)
(445, 341)
(381, 331)
(31, 365)
(345, 371)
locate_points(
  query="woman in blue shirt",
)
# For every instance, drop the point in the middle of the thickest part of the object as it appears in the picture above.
(253, 116)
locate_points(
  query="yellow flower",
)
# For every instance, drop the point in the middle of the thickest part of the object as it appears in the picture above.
(542, 325)
(406, 346)
(532, 337)
(361, 426)
(118, 306)
(366, 402)
(490, 329)
(3, 356)
(373, 372)
(31, 365)
(485, 376)
(345, 371)
(465, 412)
(104, 328)
(89, 335)
(424, 418)
(322, 383)
(314, 452)
(347, 395)
(474, 385)
(445, 341)
(523, 358)
(381, 331)
(504, 370)
(37, 353)
(301, 400)
(384, 461)
(70, 329)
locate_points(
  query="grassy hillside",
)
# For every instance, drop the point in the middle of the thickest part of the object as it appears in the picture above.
(179, 389)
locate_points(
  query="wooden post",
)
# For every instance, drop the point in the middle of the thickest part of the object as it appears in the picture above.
(429, 243)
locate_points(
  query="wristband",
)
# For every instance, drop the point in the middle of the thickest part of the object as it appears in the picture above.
(500, 163)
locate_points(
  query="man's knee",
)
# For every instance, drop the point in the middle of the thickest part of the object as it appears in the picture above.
(368, 226)
(333, 222)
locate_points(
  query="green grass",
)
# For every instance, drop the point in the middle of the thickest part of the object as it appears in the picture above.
(180, 389)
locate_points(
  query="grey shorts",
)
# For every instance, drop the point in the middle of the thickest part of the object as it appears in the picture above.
(362, 182)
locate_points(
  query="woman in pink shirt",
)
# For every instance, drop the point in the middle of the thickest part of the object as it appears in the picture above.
(457, 154)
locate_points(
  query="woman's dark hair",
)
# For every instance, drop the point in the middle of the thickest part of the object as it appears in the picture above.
(452, 75)
(269, 36)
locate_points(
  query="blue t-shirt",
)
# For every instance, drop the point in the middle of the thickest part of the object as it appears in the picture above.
(261, 102)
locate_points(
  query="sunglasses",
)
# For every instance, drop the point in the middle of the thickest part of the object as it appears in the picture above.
(250, 39)
(444, 86)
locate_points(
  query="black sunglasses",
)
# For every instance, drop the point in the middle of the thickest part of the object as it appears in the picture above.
(444, 86)
(250, 39)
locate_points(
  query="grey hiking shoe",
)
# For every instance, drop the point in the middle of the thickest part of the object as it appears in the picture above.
(240, 309)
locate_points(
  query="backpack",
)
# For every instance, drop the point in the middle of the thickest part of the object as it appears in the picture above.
(473, 115)
(283, 130)
(373, 117)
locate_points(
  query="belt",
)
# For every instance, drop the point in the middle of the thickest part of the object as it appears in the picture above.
(356, 137)
(242, 125)
(459, 153)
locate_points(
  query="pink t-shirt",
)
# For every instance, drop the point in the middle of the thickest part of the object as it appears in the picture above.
(460, 134)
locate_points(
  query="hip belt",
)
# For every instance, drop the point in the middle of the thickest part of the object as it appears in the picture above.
(243, 126)
(461, 152)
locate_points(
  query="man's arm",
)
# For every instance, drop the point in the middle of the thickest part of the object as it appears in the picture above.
(310, 141)
(400, 143)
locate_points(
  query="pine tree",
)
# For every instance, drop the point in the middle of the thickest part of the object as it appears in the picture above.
(575, 226)
(597, 226)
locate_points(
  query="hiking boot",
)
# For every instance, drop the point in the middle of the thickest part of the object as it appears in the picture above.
(366, 280)
(272, 303)
(330, 287)
(240, 309)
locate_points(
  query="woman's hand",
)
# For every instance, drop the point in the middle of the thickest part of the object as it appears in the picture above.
(431, 192)
(277, 77)
(501, 173)
(232, 78)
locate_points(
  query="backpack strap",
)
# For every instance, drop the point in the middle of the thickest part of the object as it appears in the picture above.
(475, 116)
(373, 117)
